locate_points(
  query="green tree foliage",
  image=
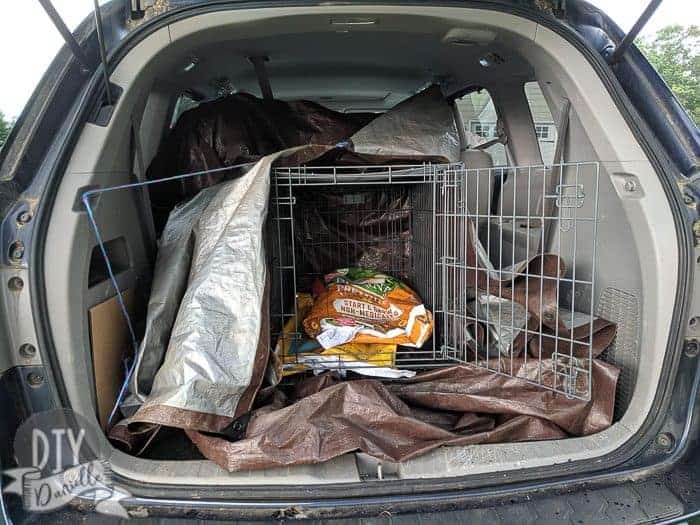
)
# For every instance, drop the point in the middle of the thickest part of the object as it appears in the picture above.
(5, 126)
(675, 53)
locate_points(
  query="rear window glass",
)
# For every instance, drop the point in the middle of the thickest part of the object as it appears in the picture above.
(545, 129)
(480, 121)
(184, 103)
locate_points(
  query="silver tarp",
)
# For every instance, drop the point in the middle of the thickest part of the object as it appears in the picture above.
(504, 320)
(218, 341)
(421, 125)
(171, 271)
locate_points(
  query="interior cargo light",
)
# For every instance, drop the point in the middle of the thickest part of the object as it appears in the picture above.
(354, 21)
(463, 36)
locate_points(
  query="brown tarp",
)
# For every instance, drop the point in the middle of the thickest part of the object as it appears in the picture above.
(534, 284)
(241, 128)
(451, 406)
(380, 420)
(478, 390)
(237, 129)
(203, 382)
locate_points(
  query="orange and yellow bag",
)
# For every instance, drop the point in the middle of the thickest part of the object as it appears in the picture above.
(364, 306)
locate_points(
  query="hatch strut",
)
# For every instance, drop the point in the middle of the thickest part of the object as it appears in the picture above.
(75, 46)
(636, 28)
(65, 33)
(103, 55)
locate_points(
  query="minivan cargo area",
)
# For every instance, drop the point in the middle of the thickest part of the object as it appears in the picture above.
(353, 243)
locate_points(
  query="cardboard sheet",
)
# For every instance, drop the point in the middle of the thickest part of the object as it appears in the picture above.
(109, 338)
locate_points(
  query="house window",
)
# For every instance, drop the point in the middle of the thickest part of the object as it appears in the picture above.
(487, 130)
(542, 131)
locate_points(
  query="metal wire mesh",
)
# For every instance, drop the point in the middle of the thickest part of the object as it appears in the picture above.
(468, 241)
(499, 299)
(438, 228)
(622, 307)
(378, 217)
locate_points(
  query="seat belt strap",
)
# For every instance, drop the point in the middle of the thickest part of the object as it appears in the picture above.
(549, 198)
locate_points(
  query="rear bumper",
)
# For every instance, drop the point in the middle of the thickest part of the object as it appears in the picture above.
(660, 483)
(663, 498)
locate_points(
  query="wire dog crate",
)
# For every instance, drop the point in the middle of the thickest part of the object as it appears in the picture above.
(505, 258)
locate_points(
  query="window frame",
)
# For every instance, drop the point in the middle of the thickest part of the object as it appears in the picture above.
(538, 124)
(466, 125)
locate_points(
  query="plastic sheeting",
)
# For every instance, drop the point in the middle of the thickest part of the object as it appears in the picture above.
(237, 129)
(507, 335)
(465, 405)
(422, 125)
(170, 276)
(219, 342)
(242, 128)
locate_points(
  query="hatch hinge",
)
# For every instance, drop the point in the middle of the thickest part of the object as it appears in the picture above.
(138, 8)
(140, 11)
(553, 7)
(68, 37)
(622, 48)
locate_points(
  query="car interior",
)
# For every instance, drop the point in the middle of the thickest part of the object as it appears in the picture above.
(522, 97)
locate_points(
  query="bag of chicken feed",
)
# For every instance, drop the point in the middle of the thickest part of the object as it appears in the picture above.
(365, 306)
